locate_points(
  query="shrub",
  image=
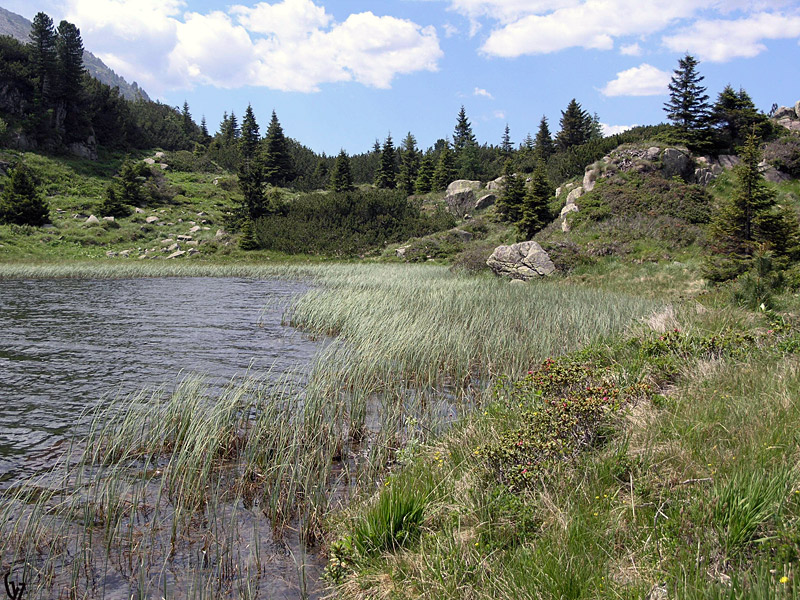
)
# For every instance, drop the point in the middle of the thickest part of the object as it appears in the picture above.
(21, 202)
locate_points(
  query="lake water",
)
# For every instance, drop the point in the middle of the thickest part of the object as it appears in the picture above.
(65, 344)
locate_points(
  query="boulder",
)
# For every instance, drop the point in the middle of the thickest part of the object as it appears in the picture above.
(460, 203)
(485, 201)
(87, 149)
(194, 229)
(525, 260)
(109, 219)
(564, 188)
(92, 220)
(177, 254)
(184, 238)
(784, 111)
(496, 184)
(460, 185)
(728, 161)
(159, 155)
(590, 177)
(150, 220)
(676, 162)
(574, 195)
(138, 210)
(652, 153)
(568, 208)
(149, 161)
(401, 251)
(797, 109)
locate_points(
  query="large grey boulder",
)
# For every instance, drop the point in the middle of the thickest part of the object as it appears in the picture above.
(496, 184)
(525, 261)
(676, 162)
(784, 111)
(460, 203)
(485, 201)
(462, 185)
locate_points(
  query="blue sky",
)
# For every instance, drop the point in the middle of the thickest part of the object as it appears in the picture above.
(342, 73)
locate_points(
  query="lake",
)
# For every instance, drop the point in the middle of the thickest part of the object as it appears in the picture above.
(66, 344)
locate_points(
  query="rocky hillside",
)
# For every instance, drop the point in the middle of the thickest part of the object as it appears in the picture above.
(18, 27)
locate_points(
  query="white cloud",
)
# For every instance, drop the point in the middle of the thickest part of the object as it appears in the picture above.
(644, 80)
(614, 129)
(499, 114)
(631, 50)
(450, 30)
(291, 45)
(721, 40)
(481, 92)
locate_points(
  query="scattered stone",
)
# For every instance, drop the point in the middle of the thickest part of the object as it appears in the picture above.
(109, 219)
(193, 251)
(572, 207)
(193, 243)
(206, 228)
(401, 251)
(177, 254)
(167, 242)
(652, 153)
(462, 185)
(201, 214)
(92, 220)
(164, 166)
(216, 181)
(151, 220)
(184, 238)
(80, 216)
(194, 229)
(159, 155)
(149, 161)
(173, 248)
(180, 220)
(125, 253)
(111, 254)
(574, 195)
(525, 260)
(590, 177)
(485, 201)
(60, 211)
(138, 210)
(221, 233)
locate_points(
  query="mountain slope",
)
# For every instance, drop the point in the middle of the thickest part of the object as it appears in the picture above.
(19, 27)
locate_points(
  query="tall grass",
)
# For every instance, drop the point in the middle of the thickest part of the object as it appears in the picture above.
(184, 493)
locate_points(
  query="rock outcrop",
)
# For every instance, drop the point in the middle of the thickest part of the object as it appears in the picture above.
(460, 202)
(462, 185)
(523, 261)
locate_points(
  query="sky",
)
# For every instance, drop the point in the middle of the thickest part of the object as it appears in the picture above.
(342, 73)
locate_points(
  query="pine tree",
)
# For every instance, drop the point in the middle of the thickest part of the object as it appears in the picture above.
(21, 202)
(688, 107)
(424, 182)
(205, 137)
(386, 178)
(462, 135)
(278, 167)
(44, 57)
(251, 169)
(69, 47)
(465, 147)
(409, 165)
(321, 172)
(341, 178)
(576, 126)
(112, 205)
(445, 172)
(250, 138)
(506, 145)
(734, 114)
(130, 185)
(187, 124)
(509, 205)
(535, 213)
(544, 141)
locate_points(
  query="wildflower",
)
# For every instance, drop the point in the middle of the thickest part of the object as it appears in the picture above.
(784, 579)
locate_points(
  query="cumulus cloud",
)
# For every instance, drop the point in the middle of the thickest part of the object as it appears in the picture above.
(720, 40)
(291, 45)
(631, 50)
(499, 114)
(614, 129)
(644, 80)
(482, 92)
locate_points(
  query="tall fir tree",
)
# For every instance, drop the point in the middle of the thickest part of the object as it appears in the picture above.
(544, 141)
(734, 115)
(205, 137)
(506, 145)
(21, 202)
(187, 124)
(44, 57)
(278, 166)
(445, 172)
(576, 126)
(341, 177)
(509, 204)
(465, 147)
(535, 213)
(424, 182)
(386, 177)
(688, 107)
(251, 168)
(409, 165)
(69, 47)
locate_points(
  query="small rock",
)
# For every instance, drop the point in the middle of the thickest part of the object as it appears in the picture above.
(401, 251)
(149, 161)
(167, 242)
(193, 243)
(194, 229)
(652, 153)
(111, 254)
(159, 155)
(125, 253)
(109, 219)
(92, 220)
(193, 251)
(206, 228)
(173, 248)
(164, 166)
(177, 254)
(568, 209)
(221, 233)
(201, 214)
(574, 195)
(151, 219)
(138, 210)
(184, 238)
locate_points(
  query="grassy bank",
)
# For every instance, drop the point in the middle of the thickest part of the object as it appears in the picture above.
(187, 495)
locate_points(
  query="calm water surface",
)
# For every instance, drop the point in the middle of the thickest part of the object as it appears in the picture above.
(65, 344)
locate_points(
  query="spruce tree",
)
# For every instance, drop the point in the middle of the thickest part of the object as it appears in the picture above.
(386, 178)
(341, 177)
(733, 115)
(465, 147)
(688, 108)
(445, 172)
(21, 202)
(409, 165)
(187, 124)
(250, 138)
(130, 185)
(278, 167)
(424, 182)
(509, 205)
(462, 135)
(205, 137)
(544, 141)
(44, 57)
(112, 205)
(251, 169)
(576, 126)
(506, 146)
(69, 47)
(535, 213)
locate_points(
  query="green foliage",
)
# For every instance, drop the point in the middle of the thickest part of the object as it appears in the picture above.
(688, 107)
(535, 213)
(248, 240)
(409, 165)
(445, 172)
(734, 115)
(278, 167)
(131, 177)
(510, 203)
(341, 178)
(343, 224)
(424, 182)
(386, 178)
(576, 127)
(112, 205)
(543, 145)
(21, 202)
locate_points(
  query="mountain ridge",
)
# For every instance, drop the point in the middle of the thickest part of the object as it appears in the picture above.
(19, 27)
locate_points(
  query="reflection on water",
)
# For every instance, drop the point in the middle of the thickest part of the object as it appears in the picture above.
(65, 344)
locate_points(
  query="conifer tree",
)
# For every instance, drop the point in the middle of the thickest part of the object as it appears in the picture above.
(544, 141)
(341, 177)
(112, 205)
(445, 172)
(250, 138)
(321, 172)
(21, 202)
(409, 165)
(130, 186)
(734, 114)
(535, 213)
(688, 108)
(44, 57)
(424, 182)
(386, 177)
(576, 126)
(462, 135)
(506, 146)
(509, 205)
(278, 167)
(69, 47)
(205, 137)
(187, 124)
(465, 147)
(251, 168)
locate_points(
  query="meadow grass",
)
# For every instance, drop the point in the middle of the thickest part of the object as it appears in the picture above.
(182, 494)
